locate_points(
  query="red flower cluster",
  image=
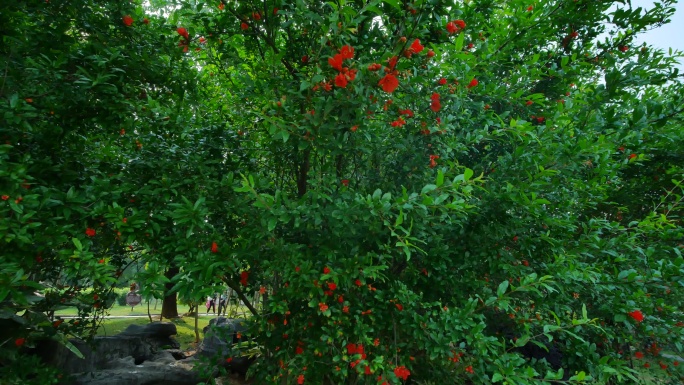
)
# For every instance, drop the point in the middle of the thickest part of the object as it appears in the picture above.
(19, 342)
(407, 112)
(186, 42)
(637, 315)
(345, 74)
(415, 47)
(442, 81)
(399, 122)
(244, 276)
(389, 82)
(326, 270)
(433, 164)
(90, 232)
(128, 20)
(183, 32)
(345, 182)
(455, 26)
(4, 197)
(214, 247)
(435, 104)
(402, 372)
(473, 83)
(374, 67)
(322, 306)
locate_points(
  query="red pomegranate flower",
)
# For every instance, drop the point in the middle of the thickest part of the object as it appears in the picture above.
(214, 247)
(345, 182)
(442, 81)
(244, 276)
(637, 315)
(326, 270)
(389, 83)
(183, 32)
(19, 342)
(128, 20)
(347, 52)
(341, 80)
(402, 372)
(336, 61)
(90, 232)
(322, 307)
(473, 83)
(244, 26)
(416, 47)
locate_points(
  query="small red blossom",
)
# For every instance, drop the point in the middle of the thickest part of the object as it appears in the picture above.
(399, 306)
(326, 270)
(299, 350)
(431, 53)
(244, 276)
(305, 59)
(354, 128)
(300, 379)
(473, 83)
(358, 282)
(214, 247)
(19, 342)
(4, 197)
(90, 232)
(433, 164)
(341, 80)
(374, 67)
(347, 52)
(416, 47)
(399, 122)
(529, 103)
(530, 8)
(435, 104)
(275, 11)
(322, 307)
(406, 112)
(647, 365)
(297, 269)
(392, 62)
(442, 81)
(389, 83)
(632, 156)
(146, 21)
(221, 6)
(624, 48)
(183, 32)
(332, 285)
(402, 372)
(128, 20)
(345, 309)
(345, 182)
(244, 26)
(637, 315)
(336, 61)
(256, 16)
(469, 369)
(101, 261)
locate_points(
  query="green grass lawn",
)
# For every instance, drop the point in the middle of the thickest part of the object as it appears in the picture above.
(185, 327)
(141, 310)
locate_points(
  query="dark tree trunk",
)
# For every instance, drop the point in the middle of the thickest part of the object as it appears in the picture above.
(170, 305)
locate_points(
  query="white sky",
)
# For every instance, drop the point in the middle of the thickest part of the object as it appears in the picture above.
(669, 36)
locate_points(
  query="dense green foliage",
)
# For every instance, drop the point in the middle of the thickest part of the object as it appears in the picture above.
(433, 190)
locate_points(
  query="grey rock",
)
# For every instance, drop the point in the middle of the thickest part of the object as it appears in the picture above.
(220, 337)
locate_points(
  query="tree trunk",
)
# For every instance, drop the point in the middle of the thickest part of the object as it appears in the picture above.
(170, 305)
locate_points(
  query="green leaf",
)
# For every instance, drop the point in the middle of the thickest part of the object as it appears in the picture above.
(467, 174)
(428, 188)
(503, 286)
(77, 244)
(496, 377)
(272, 224)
